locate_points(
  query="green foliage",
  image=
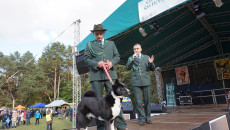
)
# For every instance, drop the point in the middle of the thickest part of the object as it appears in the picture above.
(28, 81)
(31, 82)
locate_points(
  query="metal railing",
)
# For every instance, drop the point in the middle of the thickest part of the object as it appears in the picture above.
(214, 93)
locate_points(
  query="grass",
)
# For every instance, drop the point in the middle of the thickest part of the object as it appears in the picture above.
(57, 124)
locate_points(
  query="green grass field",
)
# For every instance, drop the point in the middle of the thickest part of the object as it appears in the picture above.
(57, 124)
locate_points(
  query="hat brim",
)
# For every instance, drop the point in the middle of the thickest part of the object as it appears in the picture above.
(98, 30)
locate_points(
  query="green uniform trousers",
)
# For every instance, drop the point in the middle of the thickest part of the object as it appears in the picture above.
(98, 86)
(143, 115)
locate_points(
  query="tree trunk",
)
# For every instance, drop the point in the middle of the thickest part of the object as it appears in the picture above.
(55, 80)
(59, 81)
(11, 94)
(47, 95)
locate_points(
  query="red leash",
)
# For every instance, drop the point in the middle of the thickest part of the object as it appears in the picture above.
(111, 81)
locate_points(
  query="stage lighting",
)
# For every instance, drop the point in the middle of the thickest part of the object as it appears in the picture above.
(154, 26)
(142, 31)
(198, 9)
(218, 3)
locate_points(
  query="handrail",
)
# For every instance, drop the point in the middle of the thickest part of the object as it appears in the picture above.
(213, 94)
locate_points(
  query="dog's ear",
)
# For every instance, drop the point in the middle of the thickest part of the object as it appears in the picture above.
(116, 82)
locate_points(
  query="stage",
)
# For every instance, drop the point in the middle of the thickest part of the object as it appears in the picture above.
(180, 118)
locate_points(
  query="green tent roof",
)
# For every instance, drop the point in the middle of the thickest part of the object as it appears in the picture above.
(183, 40)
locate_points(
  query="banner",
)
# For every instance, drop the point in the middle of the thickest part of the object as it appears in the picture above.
(222, 68)
(170, 94)
(182, 75)
(150, 8)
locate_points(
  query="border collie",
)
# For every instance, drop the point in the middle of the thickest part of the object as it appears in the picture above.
(105, 109)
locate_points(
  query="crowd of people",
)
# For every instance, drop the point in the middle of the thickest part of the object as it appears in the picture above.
(13, 118)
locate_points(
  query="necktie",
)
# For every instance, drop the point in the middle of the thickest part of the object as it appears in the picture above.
(100, 42)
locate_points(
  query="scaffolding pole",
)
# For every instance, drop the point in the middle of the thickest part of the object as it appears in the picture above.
(76, 76)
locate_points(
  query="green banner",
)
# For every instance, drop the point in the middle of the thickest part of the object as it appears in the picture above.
(170, 94)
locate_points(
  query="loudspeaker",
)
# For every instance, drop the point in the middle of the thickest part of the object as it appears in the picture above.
(82, 67)
(157, 108)
(185, 100)
(204, 126)
(127, 107)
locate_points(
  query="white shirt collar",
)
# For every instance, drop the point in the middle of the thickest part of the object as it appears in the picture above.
(103, 40)
(139, 55)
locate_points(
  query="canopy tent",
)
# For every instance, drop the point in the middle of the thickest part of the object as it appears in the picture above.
(56, 103)
(40, 104)
(185, 39)
(3, 108)
(19, 107)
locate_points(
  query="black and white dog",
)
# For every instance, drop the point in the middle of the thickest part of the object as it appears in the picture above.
(106, 108)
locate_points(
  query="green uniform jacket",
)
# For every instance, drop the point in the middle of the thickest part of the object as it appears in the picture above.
(140, 70)
(95, 53)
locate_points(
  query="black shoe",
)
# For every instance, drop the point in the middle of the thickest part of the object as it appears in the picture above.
(149, 121)
(141, 123)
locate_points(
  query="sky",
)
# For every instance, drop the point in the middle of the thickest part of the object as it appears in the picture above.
(30, 25)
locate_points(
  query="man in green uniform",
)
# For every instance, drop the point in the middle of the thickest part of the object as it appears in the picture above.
(97, 53)
(140, 65)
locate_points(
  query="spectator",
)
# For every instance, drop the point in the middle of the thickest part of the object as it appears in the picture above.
(59, 113)
(24, 117)
(10, 116)
(28, 116)
(38, 115)
(4, 119)
(67, 112)
(41, 112)
(71, 114)
(49, 119)
(14, 119)
(62, 113)
(19, 117)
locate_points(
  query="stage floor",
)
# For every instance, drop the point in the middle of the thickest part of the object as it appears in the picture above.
(180, 118)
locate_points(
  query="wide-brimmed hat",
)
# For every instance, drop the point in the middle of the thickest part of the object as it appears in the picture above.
(98, 27)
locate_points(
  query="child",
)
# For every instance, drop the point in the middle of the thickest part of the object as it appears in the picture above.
(38, 115)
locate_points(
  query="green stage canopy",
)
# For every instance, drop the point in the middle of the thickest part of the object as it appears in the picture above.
(184, 38)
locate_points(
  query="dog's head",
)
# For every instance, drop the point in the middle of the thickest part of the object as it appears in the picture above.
(120, 89)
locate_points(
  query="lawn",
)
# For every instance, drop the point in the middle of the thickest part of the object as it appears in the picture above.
(57, 124)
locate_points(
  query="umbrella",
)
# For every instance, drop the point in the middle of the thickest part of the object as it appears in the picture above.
(19, 107)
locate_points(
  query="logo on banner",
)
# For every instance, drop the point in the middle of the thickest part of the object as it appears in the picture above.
(150, 8)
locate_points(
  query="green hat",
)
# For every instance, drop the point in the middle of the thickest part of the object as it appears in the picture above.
(98, 27)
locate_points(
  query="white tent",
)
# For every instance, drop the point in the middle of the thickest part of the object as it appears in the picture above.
(56, 103)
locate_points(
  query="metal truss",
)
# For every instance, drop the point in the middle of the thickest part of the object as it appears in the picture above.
(200, 61)
(76, 76)
(191, 53)
(210, 29)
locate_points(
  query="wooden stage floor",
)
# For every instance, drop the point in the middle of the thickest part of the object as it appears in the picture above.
(181, 118)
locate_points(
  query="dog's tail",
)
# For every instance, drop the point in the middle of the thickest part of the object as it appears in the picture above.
(90, 93)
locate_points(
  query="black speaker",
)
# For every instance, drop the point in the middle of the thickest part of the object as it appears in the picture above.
(204, 126)
(157, 108)
(127, 107)
(82, 67)
(185, 100)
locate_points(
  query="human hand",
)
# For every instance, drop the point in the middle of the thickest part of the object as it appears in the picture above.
(134, 55)
(151, 59)
(100, 64)
(108, 65)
